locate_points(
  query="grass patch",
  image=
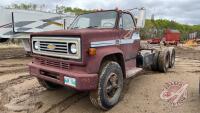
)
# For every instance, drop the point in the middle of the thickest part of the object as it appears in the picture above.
(10, 45)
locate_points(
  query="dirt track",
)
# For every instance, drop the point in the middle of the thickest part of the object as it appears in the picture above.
(21, 93)
(12, 53)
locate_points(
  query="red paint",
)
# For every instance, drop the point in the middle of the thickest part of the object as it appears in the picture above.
(87, 68)
(154, 40)
(172, 37)
(85, 81)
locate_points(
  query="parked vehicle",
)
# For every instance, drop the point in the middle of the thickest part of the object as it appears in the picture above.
(96, 54)
(154, 41)
(171, 37)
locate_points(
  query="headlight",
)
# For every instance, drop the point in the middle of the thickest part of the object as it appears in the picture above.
(36, 45)
(73, 48)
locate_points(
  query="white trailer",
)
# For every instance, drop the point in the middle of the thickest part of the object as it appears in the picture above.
(20, 23)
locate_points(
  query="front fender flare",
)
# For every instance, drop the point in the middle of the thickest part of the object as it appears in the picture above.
(94, 62)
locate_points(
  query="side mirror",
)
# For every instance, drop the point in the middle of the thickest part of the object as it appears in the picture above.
(120, 26)
(141, 18)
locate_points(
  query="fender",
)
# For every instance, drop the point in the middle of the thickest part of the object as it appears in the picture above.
(95, 61)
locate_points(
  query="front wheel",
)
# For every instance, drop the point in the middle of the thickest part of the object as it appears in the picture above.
(110, 86)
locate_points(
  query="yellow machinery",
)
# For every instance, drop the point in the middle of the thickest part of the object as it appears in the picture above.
(191, 43)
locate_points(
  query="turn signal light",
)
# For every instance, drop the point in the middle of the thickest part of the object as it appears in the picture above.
(92, 51)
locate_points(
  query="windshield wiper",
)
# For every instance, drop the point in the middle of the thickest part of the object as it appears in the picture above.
(75, 28)
(93, 27)
(86, 27)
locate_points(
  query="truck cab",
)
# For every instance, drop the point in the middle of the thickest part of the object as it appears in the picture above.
(97, 52)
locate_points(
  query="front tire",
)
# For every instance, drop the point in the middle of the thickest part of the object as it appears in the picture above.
(110, 86)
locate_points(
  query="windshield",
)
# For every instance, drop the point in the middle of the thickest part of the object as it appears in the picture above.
(95, 20)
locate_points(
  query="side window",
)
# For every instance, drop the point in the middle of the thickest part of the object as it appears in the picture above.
(126, 22)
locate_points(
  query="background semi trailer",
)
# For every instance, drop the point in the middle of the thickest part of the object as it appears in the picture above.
(96, 54)
(18, 24)
(170, 37)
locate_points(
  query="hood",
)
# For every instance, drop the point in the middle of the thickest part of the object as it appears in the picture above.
(83, 33)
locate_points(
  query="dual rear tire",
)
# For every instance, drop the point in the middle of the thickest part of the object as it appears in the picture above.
(163, 60)
(172, 57)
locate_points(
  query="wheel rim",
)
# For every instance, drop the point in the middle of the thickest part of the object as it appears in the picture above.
(112, 85)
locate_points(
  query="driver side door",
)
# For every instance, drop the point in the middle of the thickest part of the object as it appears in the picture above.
(130, 43)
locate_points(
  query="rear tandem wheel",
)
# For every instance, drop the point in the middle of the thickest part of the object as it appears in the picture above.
(164, 60)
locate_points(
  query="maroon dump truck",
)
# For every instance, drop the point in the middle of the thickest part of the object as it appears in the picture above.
(154, 40)
(171, 37)
(96, 54)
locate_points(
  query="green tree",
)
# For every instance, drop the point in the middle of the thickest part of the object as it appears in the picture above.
(162, 24)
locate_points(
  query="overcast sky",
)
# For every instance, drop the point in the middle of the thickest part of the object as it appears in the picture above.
(183, 11)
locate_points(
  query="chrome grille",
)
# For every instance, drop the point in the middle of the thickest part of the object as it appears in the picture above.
(56, 46)
(59, 46)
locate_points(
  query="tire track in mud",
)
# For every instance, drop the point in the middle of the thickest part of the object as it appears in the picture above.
(3, 86)
(11, 53)
(37, 97)
(22, 81)
(18, 94)
(12, 102)
(12, 65)
(11, 76)
(16, 74)
(15, 81)
(66, 103)
(11, 71)
(188, 53)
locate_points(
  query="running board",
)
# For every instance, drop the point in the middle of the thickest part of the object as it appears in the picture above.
(132, 72)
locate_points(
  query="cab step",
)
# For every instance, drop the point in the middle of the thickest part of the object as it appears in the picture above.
(132, 72)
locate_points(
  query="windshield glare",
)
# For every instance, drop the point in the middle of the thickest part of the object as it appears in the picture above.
(95, 20)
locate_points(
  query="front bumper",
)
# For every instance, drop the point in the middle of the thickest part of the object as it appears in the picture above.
(84, 81)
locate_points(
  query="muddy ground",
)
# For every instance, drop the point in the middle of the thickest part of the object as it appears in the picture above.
(8, 53)
(21, 93)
